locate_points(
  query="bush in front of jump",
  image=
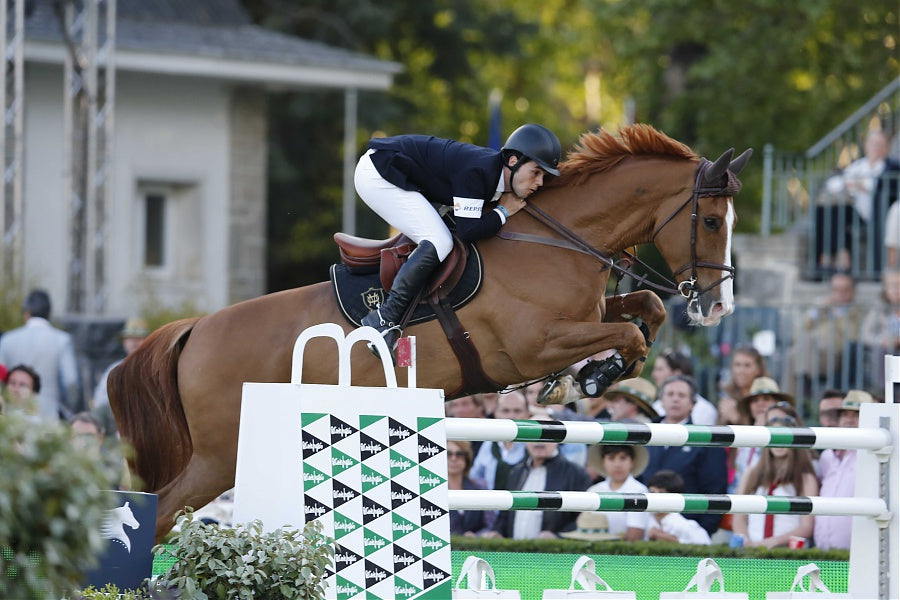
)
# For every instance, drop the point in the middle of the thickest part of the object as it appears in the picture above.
(213, 562)
(51, 509)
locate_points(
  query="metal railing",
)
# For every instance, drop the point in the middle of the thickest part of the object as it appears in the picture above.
(792, 181)
(808, 348)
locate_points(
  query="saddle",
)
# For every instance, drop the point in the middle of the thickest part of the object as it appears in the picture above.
(364, 256)
(363, 259)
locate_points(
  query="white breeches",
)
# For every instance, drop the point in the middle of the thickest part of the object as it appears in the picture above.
(408, 212)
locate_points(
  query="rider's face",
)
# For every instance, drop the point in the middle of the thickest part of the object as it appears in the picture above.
(527, 179)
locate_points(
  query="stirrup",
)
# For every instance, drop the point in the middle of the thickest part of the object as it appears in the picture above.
(391, 335)
(558, 391)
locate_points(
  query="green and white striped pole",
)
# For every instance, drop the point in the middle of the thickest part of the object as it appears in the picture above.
(665, 503)
(659, 434)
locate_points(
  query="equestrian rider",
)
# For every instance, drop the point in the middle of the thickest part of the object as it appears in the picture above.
(407, 178)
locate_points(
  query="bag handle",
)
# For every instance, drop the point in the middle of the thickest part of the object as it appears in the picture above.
(708, 572)
(345, 345)
(477, 573)
(585, 575)
(815, 581)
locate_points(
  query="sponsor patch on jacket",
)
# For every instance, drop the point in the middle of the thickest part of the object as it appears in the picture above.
(467, 207)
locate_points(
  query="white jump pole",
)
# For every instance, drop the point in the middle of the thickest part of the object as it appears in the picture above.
(875, 544)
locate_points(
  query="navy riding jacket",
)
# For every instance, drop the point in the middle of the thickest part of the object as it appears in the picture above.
(445, 172)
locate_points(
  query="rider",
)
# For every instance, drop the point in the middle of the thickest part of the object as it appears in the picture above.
(406, 179)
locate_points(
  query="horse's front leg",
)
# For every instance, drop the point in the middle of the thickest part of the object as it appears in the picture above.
(578, 340)
(644, 308)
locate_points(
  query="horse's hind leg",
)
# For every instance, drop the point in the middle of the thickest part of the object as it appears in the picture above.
(200, 483)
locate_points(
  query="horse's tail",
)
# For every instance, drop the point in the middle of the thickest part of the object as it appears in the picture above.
(143, 395)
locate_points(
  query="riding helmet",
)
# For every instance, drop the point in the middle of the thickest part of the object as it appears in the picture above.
(537, 143)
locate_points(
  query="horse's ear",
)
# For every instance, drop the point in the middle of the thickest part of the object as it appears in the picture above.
(715, 172)
(738, 164)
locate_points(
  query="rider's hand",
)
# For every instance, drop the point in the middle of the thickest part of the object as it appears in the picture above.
(511, 203)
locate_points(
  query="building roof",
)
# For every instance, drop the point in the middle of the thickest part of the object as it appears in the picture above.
(212, 38)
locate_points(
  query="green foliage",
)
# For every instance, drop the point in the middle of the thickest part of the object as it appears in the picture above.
(712, 74)
(244, 562)
(112, 592)
(653, 548)
(51, 509)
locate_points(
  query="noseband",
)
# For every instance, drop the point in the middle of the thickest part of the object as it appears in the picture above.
(687, 288)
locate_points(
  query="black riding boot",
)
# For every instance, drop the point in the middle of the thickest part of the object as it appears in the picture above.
(411, 277)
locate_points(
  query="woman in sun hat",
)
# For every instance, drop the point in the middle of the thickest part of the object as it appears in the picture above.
(764, 393)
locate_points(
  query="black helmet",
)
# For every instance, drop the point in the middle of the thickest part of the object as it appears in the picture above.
(537, 143)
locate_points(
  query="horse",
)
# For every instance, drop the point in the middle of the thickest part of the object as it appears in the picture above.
(541, 308)
(114, 522)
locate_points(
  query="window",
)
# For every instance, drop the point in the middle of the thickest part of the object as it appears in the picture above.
(154, 229)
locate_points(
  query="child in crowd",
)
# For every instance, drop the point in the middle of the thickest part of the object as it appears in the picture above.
(620, 465)
(672, 527)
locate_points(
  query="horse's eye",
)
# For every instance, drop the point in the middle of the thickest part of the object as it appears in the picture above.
(712, 223)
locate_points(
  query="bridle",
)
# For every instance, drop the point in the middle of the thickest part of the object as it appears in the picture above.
(687, 288)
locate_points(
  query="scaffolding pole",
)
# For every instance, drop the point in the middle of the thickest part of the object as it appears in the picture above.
(88, 121)
(12, 207)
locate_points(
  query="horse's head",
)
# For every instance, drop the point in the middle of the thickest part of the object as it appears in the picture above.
(695, 239)
(126, 517)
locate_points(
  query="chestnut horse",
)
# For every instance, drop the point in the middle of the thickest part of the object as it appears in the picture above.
(177, 399)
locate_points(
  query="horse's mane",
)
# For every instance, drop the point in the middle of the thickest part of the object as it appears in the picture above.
(600, 151)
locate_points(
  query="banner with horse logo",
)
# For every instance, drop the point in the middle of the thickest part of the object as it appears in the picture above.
(369, 463)
(128, 529)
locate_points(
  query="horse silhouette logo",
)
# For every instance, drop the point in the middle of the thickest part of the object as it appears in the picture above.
(372, 298)
(114, 525)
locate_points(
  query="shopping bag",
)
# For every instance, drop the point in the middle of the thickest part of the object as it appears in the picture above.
(708, 573)
(479, 578)
(807, 584)
(584, 575)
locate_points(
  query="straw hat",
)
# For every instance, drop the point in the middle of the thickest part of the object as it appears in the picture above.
(855, 398)
(637, 390)
(591, 526)
(595, 459)
(135, 327)
(763, 386)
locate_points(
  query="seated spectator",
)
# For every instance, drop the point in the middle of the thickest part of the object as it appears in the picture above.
(672, 527)
(703, 469)
(830, 407)
(764, 393)
(467, 407)
(544, 470)
(881, 328)
(631, 399)
(459, 461)
(591, 526)
(87, 433)
(494, 460)
(746, 365)
(779, 472)
(670, 363)
(892, 237)
(858, 199)
(827, 346)
(619, 465)
(489, 403)
(22, 392)
(837, 474)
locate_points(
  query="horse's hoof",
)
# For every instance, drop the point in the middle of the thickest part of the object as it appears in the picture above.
(558, 391)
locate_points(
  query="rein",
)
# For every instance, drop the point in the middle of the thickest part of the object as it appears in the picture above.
(687, 288)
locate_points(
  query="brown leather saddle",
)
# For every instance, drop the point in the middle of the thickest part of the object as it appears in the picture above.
(387, 256)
